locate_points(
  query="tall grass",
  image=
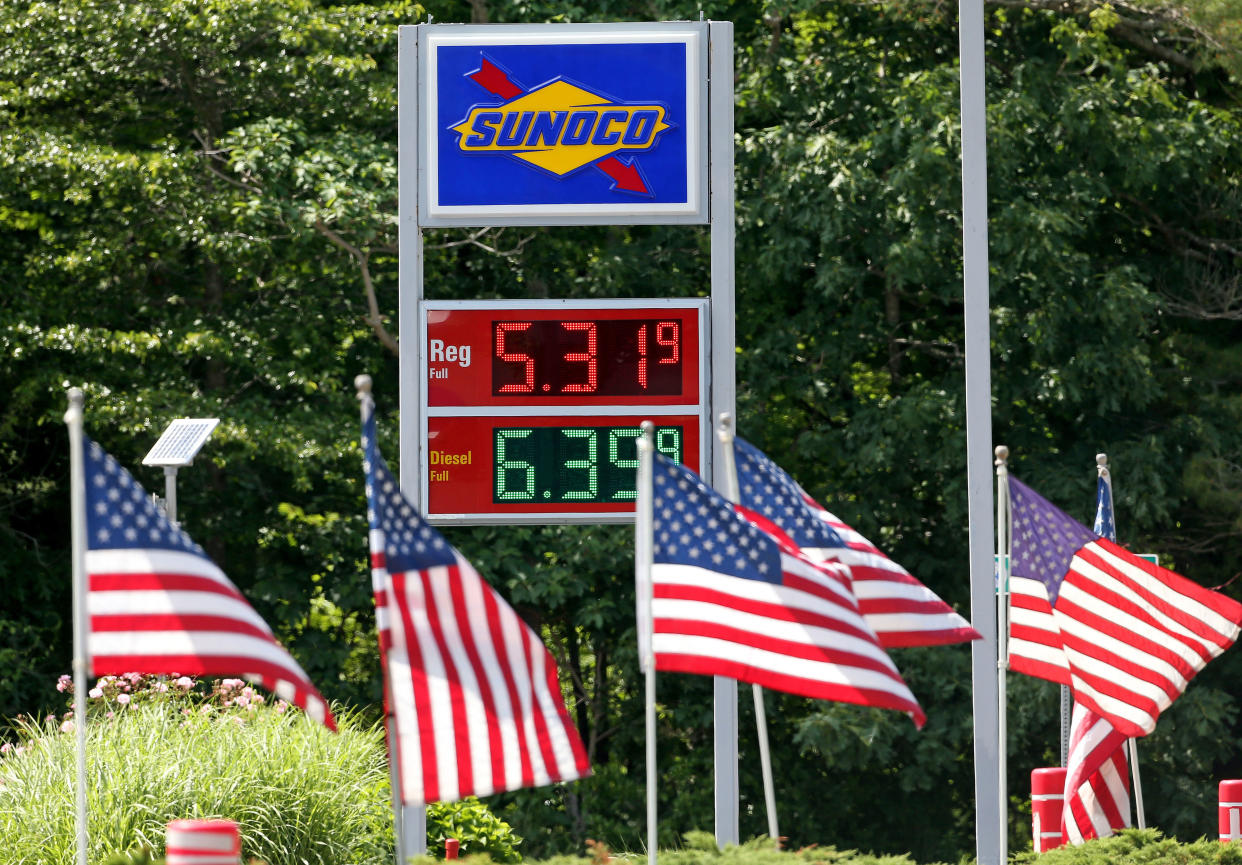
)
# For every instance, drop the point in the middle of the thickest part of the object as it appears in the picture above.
(300, 793)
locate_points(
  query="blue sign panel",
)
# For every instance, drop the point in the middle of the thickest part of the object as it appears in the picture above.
(553, 125)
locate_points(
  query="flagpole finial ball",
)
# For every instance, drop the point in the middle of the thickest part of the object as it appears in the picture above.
(1101, 460)
(1002, 454)
(363, 384)
(76, 397)
(724, 427)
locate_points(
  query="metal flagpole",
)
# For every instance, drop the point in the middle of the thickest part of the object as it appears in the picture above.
(643, 596)
(1003, 546)
(990, 824)
(724, 432)
(362, 384)
(1106, 476)
(81, 652)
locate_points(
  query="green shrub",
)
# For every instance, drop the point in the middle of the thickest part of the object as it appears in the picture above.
(1138, 847)
(478, 829)
(168, 749)
(300, 792)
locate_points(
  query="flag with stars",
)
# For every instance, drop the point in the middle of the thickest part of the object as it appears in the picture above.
(731, 599)
(157, 604)
(900, 609)
(1124, 634)
(474, 692)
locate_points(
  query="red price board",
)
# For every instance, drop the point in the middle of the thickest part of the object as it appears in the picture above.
(531, 410)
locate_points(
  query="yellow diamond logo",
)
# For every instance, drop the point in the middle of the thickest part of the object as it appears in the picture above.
(560, 127)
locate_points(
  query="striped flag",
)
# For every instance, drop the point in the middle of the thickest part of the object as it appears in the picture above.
(158, 605)
(1127, 636)
(473, 690)
(730, 599)
(1097, 780)
(900, 609)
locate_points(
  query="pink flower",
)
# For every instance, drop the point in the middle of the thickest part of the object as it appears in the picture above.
(123, 699)
(95, 693)
(6, 747)
(64, 683)
(67, 727)
(230, 684)
(161, 687)
(281, 705)
(185, 683)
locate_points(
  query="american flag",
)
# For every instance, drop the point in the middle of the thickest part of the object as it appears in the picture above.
(158, 605)
(474, 692)
(1127, 636)
(900, 609)
(1097, 780)
(730, 599)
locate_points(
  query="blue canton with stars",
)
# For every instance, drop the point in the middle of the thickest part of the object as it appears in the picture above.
(120, 513)
(1045, 538)
(695, 525)
(410, 543)
(768, 490)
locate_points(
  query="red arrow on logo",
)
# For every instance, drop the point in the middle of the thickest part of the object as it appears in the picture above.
(625, 176)
(494, 80)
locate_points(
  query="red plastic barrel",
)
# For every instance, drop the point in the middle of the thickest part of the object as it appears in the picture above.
(1230, 799)
(202, 842)
(1047, 802)
(451, 846)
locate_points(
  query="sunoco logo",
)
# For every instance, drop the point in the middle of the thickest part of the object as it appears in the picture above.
(561, 127)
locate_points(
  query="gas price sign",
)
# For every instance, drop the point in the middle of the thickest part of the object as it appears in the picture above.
(531, 410)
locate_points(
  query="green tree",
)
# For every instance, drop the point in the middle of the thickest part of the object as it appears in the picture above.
(198, 218)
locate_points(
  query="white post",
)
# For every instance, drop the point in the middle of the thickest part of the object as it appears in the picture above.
(643, 598)
(990, 823)
(81, 652)
(170, 493)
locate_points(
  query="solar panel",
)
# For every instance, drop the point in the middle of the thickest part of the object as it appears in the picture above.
(181, 441)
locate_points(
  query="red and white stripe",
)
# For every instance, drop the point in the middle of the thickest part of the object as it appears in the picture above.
(1035, 644)
(473, 690)
(804, 636)
(168, 612)
(1136, 633)
(900, 609)
(202, 842)
(1097, 785)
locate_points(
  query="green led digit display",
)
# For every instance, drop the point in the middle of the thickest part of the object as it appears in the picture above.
(573, 464)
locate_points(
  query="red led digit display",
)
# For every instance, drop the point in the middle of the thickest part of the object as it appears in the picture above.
(531, 409)
(509, 355)
(630, 357)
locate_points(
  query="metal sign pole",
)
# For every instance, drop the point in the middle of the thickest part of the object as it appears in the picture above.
(724, 386)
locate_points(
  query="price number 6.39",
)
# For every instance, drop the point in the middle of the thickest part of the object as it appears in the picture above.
(573, 464)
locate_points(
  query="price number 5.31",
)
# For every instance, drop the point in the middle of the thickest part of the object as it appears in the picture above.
(573, 464)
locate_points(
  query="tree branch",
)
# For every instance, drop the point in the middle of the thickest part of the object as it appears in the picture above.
(372, 317)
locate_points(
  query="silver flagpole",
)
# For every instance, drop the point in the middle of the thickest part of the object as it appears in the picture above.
(362, 384)
(1101, 468)
(81, 652)
(1002, 635)
(724, 432)
(643, 598)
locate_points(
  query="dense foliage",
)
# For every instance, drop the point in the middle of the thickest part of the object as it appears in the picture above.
(197, 210)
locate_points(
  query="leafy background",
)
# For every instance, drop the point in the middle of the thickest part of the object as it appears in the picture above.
(197, 218)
